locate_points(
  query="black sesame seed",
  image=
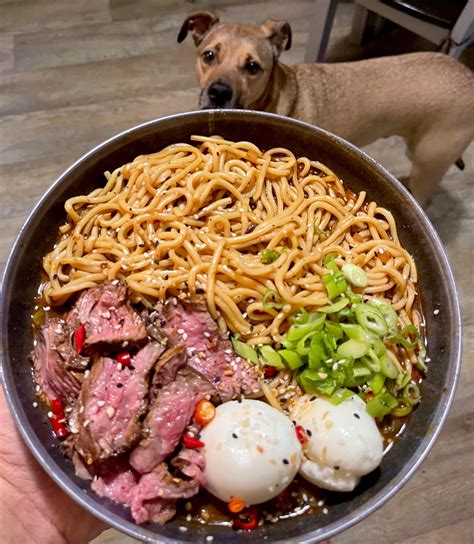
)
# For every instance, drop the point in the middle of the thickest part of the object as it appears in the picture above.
(308, 432)
(119, 385)
(286, 462)
(156, 242)
(234, 435)
(141, 245)
(283, 399)
(119, 174)
(357, 416)
(294, 422)
(313, 398)
(336, 467)
(131, 367)
(156, 261)
(199, 291)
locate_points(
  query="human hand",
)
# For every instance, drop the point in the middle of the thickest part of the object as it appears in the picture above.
(32, 507)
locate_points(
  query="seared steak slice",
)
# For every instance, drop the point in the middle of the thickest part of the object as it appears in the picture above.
(172, 360)
(51, 359)
(192, 464)
(117, 486)
(210, 353)
(111, 402)
(154, 498)
(168, 417)
(107, 316)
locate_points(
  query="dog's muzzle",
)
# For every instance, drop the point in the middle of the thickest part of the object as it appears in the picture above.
(218, 95)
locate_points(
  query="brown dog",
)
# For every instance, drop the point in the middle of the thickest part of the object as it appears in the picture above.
(427, 98)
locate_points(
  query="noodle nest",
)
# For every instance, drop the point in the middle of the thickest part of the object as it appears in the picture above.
(195, 219)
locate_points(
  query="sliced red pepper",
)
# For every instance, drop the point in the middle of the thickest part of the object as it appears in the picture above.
(124, 358)
(301, 434)
(59, 428)
(79, 337)
(191, 442)
(205, 412)
(57, 407)
(269, 371)
(369, 395)
(247, 520)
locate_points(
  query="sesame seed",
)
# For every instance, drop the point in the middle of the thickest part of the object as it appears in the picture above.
(185, 336)
(110, 411)
(188, 517)
(436, 312)
(234, 435)
(320, 503)
(207, 335)
(183, 529)
(100, 402)
(357, 416)
(120, 366)
(325, 510)
(180, 331)
(50, 414)
(286, 462)
(209, 538)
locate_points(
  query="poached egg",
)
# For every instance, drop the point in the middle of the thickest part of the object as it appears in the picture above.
(251, 451)
(344, 442)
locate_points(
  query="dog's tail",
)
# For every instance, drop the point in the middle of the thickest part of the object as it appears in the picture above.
(460, 164)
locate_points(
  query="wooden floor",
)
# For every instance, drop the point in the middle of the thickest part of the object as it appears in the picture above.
(73, 73)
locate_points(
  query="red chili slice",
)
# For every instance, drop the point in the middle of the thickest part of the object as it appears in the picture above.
(301, 434)
(57, 407)
(247, 520)
(269, 371)
(124, 358)
(59, 428)
(79, 337)
(191, 442)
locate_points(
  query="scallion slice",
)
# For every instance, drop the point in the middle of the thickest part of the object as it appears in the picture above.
(271, 299)
(244, 350)
(271, 357)
(353, 348)
(371, 319)
(355, 275)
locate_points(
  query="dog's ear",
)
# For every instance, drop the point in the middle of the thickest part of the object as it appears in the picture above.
(279, 33)
(199, 24)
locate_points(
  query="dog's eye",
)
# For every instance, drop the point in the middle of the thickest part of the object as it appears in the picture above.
(252, 67)
(208, 56)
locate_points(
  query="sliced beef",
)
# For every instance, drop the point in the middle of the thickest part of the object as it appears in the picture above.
(210, 353)
(52, 361)
(154, 498)
(168, 417)
(107, 316)
(111, 402)
(117, 486)
(192, 464)
(172, 360)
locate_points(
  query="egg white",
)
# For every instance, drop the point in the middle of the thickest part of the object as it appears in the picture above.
(251, 452)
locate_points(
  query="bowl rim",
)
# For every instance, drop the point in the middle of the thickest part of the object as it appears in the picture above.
(141, 532)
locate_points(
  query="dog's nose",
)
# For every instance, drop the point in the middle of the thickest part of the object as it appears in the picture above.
(220, 94)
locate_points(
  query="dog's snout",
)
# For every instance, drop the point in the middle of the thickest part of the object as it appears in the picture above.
(220, 94)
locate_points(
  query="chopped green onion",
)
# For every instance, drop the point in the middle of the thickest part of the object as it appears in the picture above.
(372, 361)
(300, 316)
(411, 394)
(296, 332)
(340, 395)
(268, 256)
(336, 307)
(334, 329)
(388, 367)
(402, 411)
(359, 370)
(353, 297)
(402, 379)
(371, 319)
(420, 360)
(272, 358)
(292, 359)
(316, 352)
(244, 350)
(382, 404)
(353, 348)
(270, 300)
(401, 337)
(355, 275)
(388, 312)
(376, 383)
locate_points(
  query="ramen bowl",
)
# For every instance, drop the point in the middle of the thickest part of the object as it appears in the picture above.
(359, 172)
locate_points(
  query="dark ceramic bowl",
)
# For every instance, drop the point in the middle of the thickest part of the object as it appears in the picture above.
(359, 172)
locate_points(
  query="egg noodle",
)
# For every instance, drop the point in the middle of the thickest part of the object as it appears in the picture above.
(195, 219)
